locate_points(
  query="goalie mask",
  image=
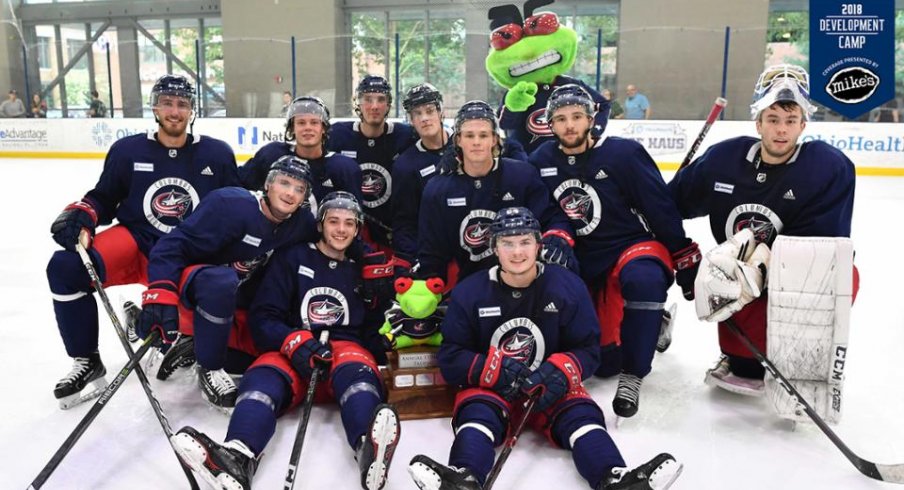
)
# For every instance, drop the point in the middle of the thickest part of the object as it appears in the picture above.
(782, 83)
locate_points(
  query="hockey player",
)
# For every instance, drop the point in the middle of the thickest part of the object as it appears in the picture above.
(150, 183)
(419, 163)
(629, 235)
(522, 329)
(772, 185)
(307, 289)
(374, 143)
(199, 267)
(457, 208)
(307, 127)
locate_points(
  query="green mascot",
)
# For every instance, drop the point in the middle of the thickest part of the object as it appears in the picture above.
(416, 314)
(529, 57)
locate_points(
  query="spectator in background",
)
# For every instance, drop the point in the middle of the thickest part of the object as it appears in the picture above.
(615, 109)
(97, 107)
(636, 104)
(887, 112)
(286, 103)
(38, 106)
(12, 106)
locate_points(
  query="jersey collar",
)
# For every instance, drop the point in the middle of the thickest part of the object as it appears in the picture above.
(753, 155)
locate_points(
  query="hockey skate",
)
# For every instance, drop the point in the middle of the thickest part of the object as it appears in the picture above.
(665, 331)
(73, 389)
(218, 388)
(627, 396)
(657, 474)
(229, 466)
(721, 376)
(374, 453)
(180, 355)
(131, 312)
(430, 475)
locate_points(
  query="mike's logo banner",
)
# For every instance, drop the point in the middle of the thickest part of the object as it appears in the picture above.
(852, 54)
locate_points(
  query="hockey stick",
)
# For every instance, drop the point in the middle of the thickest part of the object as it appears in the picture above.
(718, 105)
(89, 417)
(120, 332)
(303, 423)
(509, 444)
(893, 473)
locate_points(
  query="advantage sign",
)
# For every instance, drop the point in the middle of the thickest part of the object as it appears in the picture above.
(852, 54)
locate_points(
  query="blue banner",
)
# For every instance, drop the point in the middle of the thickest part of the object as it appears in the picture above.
(852, 54)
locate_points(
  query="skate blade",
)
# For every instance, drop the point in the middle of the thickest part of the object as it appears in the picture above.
(665, 335)
(424, 477)
(735, 388)
(75, 399)
(193, 454)
(667, 474)
(385, 435)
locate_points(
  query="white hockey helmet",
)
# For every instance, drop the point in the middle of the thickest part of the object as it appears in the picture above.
(782, 83)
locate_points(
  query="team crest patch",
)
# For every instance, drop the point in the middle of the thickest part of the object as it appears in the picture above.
(537, 126)
(474, 234)
(168, 202)
(762, 221)
(520, 339)
(376, 184)
(581, 205)
(324, 306)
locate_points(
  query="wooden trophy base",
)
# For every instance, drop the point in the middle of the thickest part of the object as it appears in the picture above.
(416, 388)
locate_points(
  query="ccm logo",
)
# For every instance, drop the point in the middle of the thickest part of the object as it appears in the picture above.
(383, 270)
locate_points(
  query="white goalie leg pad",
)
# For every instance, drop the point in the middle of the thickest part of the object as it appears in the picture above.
(810, 294)
(730, 276)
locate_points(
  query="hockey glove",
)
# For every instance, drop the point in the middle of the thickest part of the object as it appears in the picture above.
(159, 311)
(559, 374)
(687, 262)
(378, 278)
(305, 352)
(731, 276)
(558, 249)
(498, 372)
(69, 224)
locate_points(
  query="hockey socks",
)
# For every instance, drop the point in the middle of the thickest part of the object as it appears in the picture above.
(358, 391)
(262, 393)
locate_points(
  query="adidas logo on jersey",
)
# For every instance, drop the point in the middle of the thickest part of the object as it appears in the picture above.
(601, 175)
(551, 308)
(508, 197)
(328, 183)
(207, 171)
(789, 195)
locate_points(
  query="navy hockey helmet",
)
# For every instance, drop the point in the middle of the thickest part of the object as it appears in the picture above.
(340, 200)
(475, 109)
(307, 105)
(176, 85)
(373, 84)
(294, 167)
(513, 221)
(421, 94)
(566, 95)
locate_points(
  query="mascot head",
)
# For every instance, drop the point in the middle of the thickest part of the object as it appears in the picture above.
(536, 49)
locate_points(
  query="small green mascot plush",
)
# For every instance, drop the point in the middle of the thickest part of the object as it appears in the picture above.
(416, 314)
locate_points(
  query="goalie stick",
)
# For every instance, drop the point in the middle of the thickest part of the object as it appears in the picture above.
(718, 105)
(892, 473)
(509, 444)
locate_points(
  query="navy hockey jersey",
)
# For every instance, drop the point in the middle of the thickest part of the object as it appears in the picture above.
(614, 196)
(228, 228)
(810, 195)
(302, 286)
(457, 209)
(150, 189)
(331, 172)
(552, 315)
(375, 156)
(530, 127)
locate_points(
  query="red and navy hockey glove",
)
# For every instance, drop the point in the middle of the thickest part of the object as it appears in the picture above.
(498, 372)
(687, 261)
(378, 276)
(559, 374)
(558, 248)
(69, 224)
(305, 352)
(159, 311)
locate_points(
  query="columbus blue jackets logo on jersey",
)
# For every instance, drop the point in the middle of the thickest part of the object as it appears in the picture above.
(324, 306)
(474, 234)
(168, 202)
(521, 339)
(537, 126)
(376, 184)
(245, 268)
(762, 221)
(581, 204)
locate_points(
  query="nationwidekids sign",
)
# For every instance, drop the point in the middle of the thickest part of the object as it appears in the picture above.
(852, 54)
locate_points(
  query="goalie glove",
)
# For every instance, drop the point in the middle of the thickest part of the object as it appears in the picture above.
(731, 276)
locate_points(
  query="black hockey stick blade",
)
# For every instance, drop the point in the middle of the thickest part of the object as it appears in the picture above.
(892, 473)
